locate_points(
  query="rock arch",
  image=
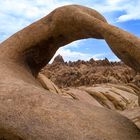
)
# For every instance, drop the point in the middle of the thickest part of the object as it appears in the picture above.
(31, 112)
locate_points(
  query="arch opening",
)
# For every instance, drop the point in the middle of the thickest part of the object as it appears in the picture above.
(86, 49)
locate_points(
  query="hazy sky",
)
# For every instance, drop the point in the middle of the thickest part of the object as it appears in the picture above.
(17, 14)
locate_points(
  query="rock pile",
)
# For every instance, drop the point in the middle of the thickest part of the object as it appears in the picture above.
(87, 73)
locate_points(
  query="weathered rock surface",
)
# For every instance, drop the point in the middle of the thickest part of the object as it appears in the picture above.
(79, 73)
(112, 85)
(111, 96)
(97, 88)
(48, 84)
(30, 112)
(58, 59)
(133, 114)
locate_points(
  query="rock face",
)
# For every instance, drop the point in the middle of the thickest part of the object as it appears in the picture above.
(112, 84)
(48, 84)
(58, 59)
(133, 114)
(30, 112)
(87, 73)
(111, 96)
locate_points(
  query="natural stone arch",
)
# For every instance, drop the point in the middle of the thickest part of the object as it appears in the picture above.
(61, 27)
(29, 111)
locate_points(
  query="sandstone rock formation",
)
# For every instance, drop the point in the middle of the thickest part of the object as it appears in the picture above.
(28, 111)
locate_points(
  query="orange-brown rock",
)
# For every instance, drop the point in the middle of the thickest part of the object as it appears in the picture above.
(133, 114)
(48, 84)
(108, 84)
(111, 96)
(28, 111)
(87, 73)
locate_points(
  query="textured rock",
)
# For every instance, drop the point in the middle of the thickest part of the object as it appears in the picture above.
(79, 73)
(28, 111)
(108, 95)
(133, 114)
(48, 84)
(115, 88)
(58, 59)
(83, 96)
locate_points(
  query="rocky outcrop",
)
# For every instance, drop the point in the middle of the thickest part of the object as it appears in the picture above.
(111, 96)
(111, 85)
(87, 73)
(28, 111)
(133, 114)
(58, 59)
(48, 84)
